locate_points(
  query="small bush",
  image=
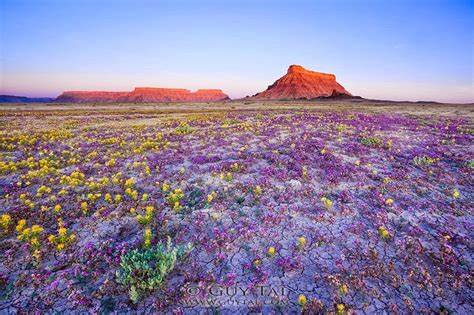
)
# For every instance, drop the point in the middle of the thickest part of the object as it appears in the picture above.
(144, 270)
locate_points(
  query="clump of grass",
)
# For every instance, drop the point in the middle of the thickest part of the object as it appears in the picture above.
(145, 270)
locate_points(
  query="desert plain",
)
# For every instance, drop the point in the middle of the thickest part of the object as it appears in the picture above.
(339, 207)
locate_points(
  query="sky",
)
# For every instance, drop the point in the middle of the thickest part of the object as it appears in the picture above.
(398, 50)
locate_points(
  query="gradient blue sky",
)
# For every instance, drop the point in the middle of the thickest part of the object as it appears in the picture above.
(401, 50)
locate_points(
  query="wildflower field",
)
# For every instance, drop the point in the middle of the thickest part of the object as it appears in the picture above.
(272, 209)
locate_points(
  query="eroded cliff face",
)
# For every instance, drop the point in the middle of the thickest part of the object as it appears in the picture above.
(300, 83)
(143, 95)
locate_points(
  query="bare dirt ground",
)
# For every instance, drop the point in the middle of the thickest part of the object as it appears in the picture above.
(176, 108)
(316, 207)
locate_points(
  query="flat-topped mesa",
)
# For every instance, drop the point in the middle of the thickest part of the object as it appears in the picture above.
(146, 94)
(89, 96)
(202, 95)
(150, 95)
(158, 90)
(209, 91)
(300, 83)
(300, 69)
(143, 95)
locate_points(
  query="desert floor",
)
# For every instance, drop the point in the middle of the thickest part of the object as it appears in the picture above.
(332, 207)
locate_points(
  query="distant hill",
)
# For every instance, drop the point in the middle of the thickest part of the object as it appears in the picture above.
(24, 99)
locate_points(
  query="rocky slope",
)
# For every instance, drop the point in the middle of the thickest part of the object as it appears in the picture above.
(300, 83)
(143, 95)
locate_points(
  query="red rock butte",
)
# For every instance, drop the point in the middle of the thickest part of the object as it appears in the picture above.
(300, 83)
(143, 95)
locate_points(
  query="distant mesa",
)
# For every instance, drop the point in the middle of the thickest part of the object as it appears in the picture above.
(24, 99)
(297, 84)
(300, 83)
(143, 95)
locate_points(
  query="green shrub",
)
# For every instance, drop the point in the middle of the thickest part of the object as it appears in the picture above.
(144, 270)
(183, 129)
(371, 141)
(422, 160)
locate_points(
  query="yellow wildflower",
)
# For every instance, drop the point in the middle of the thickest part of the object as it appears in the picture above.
(301, 242)
(340, 309)
(129, 182)
(302, 300)
(383, 232)
(327, 203)
(20, 225)
(149, 210)
(118, 198)
(211, 196)
(235, 167)
(271, 251)
(147, 236)
(344, 289)
(36, 229)
(108, 198)
(34, 242)
(258, 190)
(305, 171)
(57, 208)
(84, 207)
(456, 194)
(110, 162)
(5, 221)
